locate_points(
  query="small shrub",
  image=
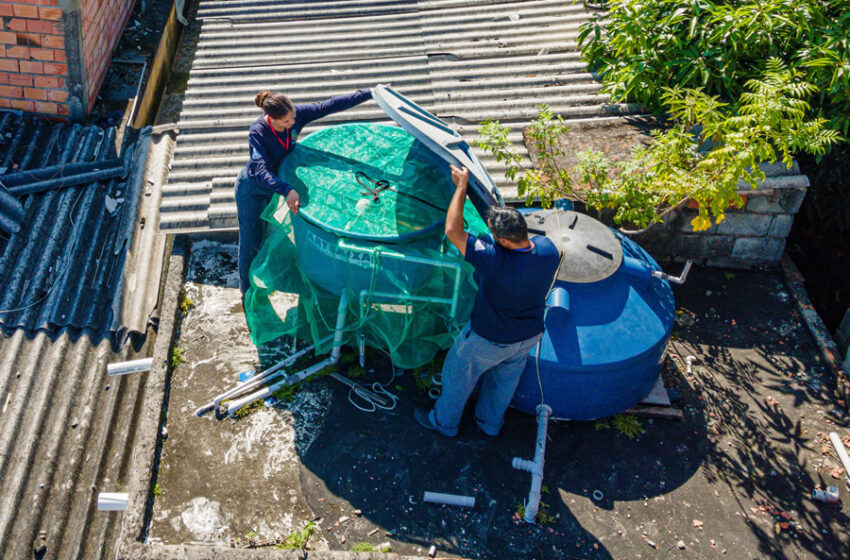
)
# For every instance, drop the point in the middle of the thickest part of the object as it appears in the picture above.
(185, 302)
(176, 357)
(299, 540)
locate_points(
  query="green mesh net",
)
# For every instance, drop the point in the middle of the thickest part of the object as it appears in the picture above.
(371, 224)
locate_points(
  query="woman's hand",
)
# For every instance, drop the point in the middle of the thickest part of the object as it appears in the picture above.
(293, 200)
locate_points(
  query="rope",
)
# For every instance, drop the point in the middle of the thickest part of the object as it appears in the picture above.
(376, 396)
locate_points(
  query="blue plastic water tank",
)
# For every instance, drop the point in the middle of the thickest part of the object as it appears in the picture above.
(608, 321)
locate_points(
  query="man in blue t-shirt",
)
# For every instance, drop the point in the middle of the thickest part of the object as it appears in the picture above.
(514, 275)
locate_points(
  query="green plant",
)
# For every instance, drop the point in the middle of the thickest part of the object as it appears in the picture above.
(547, 180)
(176, 357)
(157, 490)
(186, 303)
(642, 46)
(768, 124)
(625, 424)
(298, 540)
(367, 547)
(355, 372)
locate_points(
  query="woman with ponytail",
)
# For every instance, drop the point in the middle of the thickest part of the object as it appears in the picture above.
(270, 139)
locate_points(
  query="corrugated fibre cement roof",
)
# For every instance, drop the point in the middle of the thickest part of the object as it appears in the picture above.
(63, 267)
(462, 60)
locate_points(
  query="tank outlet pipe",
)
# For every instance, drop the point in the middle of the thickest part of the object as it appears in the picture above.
(675, 279)
(535, 467)
(449, 499)
(842, 452)
(236, 404)
(134, 366)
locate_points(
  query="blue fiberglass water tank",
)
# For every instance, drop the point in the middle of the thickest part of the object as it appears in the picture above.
(608, 321)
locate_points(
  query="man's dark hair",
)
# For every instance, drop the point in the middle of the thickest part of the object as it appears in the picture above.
(507, 223)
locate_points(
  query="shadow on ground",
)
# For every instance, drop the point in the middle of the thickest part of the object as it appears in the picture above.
(734, 478)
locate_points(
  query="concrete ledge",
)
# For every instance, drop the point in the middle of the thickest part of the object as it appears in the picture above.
(827, 346)
(134, 521)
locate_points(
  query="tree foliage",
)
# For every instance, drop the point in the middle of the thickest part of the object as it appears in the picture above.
(640, 47)
(711, 150)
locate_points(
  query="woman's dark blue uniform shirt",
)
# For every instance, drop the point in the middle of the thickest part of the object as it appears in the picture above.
(268, 149)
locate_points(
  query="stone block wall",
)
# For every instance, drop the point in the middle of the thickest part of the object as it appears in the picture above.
(54, 53)
(751, 237)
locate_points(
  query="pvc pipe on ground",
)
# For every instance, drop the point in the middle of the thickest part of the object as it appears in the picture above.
(133, 366)
(535, 467)
(842, 453)
(234, 405)
(449, 499)
(257, 380)
(112, 501)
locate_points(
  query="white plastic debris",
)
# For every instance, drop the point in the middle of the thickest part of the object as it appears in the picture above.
(133, 366)
(112, 501)
(449, 499)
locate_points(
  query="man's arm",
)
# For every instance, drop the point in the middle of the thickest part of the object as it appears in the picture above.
(454, 217)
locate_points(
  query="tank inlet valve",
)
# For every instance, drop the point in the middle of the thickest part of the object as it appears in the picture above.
(675, 279)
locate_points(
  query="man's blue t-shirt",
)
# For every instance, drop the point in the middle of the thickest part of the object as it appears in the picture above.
(512, 288)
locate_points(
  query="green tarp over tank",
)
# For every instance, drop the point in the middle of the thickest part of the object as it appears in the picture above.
(371, 222)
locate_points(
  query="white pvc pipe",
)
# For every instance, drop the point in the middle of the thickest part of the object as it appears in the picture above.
(255, 381)
(112, 501)
(842, 452)
(133, 366)
(234, 405)
(535, 467)
(449, 499)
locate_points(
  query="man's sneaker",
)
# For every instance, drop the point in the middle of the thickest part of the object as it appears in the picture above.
(424, 418)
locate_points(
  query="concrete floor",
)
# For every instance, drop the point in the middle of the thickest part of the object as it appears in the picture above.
(734, 479)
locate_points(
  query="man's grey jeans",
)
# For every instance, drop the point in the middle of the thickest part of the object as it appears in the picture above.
(470, 357)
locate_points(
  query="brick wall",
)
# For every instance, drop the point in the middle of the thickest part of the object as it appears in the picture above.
(33, 65)
(102, 23)
(36, 43)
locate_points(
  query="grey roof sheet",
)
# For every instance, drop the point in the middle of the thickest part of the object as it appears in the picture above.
(464, 60)
(67, 429)
(67, 434)
(64, 266)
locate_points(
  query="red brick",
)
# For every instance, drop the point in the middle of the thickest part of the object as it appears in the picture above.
(29, 39)
(32, 66)
(24, 80)
(55, 69)
(52, 42)
(6, 10)
(42, 54)
(17, 24)
(25, 11)
(59, 56)
(46, 82)
(2, 51)
(4, 103)
(58, 95)
(8, 38)
(63, 109)
(23, 105)
(35, 94)
(9, 65)
(11, 91)
(18, 52)
(49, 108)
(54, 14)
(4, 78)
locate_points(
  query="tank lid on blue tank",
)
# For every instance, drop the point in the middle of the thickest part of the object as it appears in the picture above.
(591, 251)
